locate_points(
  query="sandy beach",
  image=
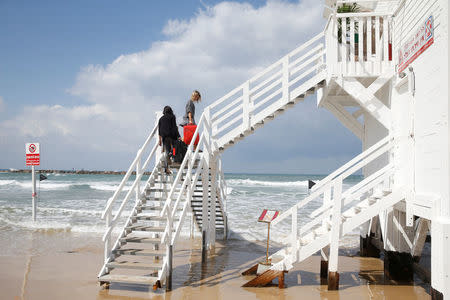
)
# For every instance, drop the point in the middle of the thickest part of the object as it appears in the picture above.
(64, 265)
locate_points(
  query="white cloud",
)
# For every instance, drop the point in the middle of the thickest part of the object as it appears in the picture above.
(214, 51)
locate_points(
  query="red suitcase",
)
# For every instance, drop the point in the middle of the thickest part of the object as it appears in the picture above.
(188, 133)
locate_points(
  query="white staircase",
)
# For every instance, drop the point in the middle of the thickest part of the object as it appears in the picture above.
(141, 253)
(142, 250)
(340, 211)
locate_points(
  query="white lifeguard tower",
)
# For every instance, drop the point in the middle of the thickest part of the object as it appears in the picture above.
(382, 70)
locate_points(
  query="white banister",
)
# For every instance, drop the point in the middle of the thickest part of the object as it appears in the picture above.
(246, 108)
(294, 234)
(138, 174)
(285, 80)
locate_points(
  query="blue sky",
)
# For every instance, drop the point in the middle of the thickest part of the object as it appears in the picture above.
(83, 78)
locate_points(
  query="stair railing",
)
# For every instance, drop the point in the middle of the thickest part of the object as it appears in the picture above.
(107, 214)
(201, 156)
(329, 193)
(359, 44)
(128, 222)
(222, 195)
(265, 93)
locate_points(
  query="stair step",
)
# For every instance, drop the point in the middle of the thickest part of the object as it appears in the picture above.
(134, 265)
(130, 279)
(155, 208)
(145, 228)
(140, 252)
(198, 213)
(151, 218)
(145, 240)
(154, 190)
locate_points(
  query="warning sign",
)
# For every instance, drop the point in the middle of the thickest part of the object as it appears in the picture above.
(32, 153)
(416, 44)
(268, 216)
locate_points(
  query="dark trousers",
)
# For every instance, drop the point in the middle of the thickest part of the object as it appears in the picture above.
(168, 143)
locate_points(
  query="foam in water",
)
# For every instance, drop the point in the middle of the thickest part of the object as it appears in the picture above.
(250, 182)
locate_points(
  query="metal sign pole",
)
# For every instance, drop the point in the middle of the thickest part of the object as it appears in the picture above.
(33, 201)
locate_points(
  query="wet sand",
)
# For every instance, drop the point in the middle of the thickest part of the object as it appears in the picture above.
(63, 265)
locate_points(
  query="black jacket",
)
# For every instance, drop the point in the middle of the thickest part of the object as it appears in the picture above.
(167, 127)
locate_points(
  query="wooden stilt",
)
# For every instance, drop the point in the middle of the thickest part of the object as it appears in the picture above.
(323, 272)
(333, 281)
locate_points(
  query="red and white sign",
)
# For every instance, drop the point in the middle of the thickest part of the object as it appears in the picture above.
(268, 216)
(416, 44)
(32, 153)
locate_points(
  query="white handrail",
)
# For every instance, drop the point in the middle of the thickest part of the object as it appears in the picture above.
(116, 244)
(264, 91)
(349, 168)
(129, 172)
(182, 166)
(352, 162)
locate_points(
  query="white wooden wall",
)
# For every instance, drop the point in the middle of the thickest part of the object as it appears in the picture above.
(424, 99)
(430, 103)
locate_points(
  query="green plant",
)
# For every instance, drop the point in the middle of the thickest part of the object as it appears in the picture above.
(346, 8)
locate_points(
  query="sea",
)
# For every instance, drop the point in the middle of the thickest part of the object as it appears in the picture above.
(74, 203)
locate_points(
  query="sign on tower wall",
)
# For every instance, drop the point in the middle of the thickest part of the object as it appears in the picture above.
(416, 44)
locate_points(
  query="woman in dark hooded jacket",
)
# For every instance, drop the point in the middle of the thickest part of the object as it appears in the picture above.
(168, 132)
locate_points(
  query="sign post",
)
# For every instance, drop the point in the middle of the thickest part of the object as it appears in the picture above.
(33, 158)
(267, 216)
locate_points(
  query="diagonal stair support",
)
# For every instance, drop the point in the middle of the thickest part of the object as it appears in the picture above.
(366, 96)
(346, 118)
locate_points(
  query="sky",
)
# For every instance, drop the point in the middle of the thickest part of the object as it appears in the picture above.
(84, 79)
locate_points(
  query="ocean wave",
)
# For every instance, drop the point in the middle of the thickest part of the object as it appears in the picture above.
(49, 185)
(250, 182)
(108, 187)
(47, 226)
(72, 211)
(7, 182)
(41, 185)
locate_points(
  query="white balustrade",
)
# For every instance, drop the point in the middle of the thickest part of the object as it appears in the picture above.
(329, 191)
(359, 44)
